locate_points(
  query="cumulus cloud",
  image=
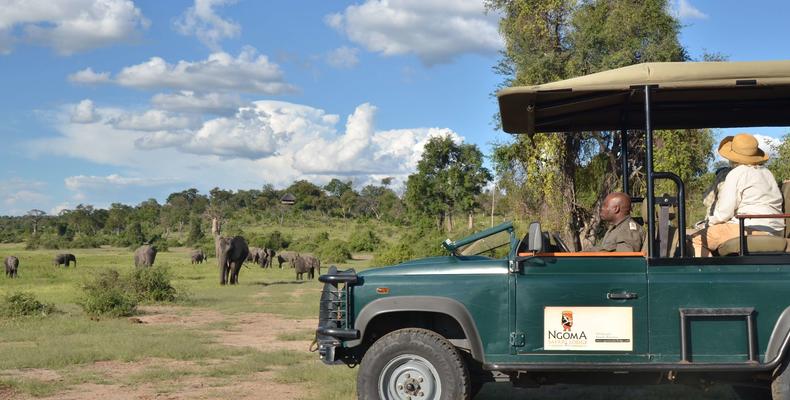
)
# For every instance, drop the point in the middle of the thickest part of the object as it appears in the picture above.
(69, 26)
(220, 72)
(190, 102)
(202, 21)
(683, 9)
(264, 142)
(343, 57)
(151, 120)
(87, 76)
(84, 112)
(436, 31)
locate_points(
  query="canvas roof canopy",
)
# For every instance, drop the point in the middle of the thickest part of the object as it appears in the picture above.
(683, 95)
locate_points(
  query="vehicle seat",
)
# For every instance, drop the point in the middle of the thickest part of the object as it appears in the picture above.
(763, 244)
(667, 232)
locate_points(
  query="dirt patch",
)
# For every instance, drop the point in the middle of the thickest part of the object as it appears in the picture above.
(29, 373)
(188, 317)
(260, 331)
(6, 393)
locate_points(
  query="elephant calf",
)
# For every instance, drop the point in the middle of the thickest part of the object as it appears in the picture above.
(65, 259)
(198, 256)
(144, 256)
(286, 256)
(11, 266)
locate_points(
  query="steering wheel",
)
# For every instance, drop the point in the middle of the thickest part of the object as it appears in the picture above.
(557, 239)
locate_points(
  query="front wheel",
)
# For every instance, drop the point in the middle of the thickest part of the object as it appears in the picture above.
(413, 364)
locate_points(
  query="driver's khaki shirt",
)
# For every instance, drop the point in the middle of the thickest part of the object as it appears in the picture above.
(624, 236)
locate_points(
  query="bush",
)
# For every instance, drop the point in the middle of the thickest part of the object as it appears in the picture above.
(333, 251)
(22, 304)
(108, 295)
(364, 240)
(152, 284)
(84, 241)
(277, 241)
(310, 243)
(395, 254)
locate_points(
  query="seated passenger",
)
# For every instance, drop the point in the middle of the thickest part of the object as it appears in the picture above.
(624, 234)
(749, 188)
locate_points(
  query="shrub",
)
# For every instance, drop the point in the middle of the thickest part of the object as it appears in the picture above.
(395, 254)
(84, 241)
(152, 284)
(276, 240)
(107, 295)
(22, 304)
(333, 251)
(310, 243)
(364, 240)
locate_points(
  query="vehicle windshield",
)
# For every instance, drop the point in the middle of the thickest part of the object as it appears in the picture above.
(496, 246)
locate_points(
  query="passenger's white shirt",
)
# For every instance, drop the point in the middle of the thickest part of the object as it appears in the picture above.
(750, 189)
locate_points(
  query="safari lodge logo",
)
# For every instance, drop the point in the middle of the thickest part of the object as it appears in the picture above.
(566, 336)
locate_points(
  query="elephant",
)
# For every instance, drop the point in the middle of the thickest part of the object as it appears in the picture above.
(286, 256)
(231, 254)
(198, 256)
(144, 256)
(270, 254)
(314, 263)
(254, 255)
(11, 266)
(302, 265)
(64, 259)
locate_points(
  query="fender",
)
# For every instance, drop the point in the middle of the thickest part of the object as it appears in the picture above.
(441, 305)
(779, 336)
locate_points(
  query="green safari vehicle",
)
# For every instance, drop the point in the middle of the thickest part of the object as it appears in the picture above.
(440, 327)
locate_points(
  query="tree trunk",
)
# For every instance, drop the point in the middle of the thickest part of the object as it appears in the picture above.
(449, 221)
(471, 221)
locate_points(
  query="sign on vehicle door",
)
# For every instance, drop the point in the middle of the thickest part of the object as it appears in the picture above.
(588, 328)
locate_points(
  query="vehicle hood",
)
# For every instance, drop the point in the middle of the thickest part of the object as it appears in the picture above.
(440, 265)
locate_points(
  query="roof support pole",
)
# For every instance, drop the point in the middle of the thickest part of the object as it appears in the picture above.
(651, 215)
(624, 159)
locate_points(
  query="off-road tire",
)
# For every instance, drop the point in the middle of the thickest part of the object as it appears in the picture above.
(430, 350)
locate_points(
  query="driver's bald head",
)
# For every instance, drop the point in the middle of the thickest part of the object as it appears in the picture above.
(620, 199)
(616, 206)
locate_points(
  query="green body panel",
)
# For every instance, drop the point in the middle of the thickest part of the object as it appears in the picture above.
(503, 300)
(766, 288)
(579, 282)
(479, 283)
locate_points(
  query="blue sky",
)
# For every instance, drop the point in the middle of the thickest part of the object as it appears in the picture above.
(118, 101)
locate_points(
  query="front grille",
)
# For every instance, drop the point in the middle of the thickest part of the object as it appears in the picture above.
(333, 309)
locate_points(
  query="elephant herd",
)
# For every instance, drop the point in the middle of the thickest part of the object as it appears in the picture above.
(231, 253)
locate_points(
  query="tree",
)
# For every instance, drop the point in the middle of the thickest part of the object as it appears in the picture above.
(448, 177)
(195, 231)
(35, 216)
(780, 163)
(547, 40)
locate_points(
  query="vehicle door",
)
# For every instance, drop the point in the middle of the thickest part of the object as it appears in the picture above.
(581, 307)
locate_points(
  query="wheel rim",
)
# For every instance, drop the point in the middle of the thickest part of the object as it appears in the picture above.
(409, 377)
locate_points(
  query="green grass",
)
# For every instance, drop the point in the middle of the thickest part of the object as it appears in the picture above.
(69, 342)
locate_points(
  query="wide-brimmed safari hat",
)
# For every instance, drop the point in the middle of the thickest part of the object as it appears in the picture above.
(742, 149)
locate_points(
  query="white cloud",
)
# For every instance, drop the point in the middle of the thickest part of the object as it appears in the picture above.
(18, 196)
(220, 72)
(343, 57)
(191, 102)
(151, 120)
(201, 20)
(436, 31)
(87, 76)
(82, 182)
(683, 9)
(69, 26)
(84, 112)
(265, 142)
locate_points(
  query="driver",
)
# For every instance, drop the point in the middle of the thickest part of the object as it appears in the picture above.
(624, 234)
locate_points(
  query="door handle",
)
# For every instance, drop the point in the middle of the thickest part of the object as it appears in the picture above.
(622, 296)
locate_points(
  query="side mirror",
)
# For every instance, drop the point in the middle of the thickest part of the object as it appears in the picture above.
(535, 241)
